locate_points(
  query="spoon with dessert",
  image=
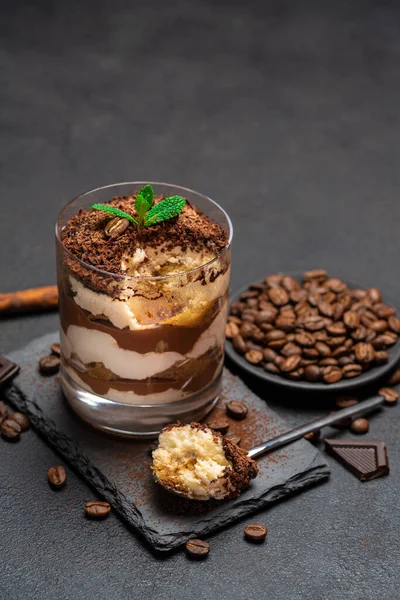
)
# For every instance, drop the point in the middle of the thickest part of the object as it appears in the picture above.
(198, 463)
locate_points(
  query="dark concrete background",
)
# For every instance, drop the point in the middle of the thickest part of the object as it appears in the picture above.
(286, 113)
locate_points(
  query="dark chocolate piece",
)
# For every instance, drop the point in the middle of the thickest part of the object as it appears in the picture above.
(366, 460)
(8, 370)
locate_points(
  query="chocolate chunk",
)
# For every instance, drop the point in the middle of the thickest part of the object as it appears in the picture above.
(236, 410)
(366, 460)
(255, 532)
(197, 548)
(8, 370)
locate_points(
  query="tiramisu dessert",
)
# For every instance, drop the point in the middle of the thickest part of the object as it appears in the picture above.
(143, 287)
(200, 464)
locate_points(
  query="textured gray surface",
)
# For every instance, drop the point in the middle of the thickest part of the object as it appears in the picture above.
(286, 109)
(119, 470)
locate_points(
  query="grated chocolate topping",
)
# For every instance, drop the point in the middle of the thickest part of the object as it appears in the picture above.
(85, 238)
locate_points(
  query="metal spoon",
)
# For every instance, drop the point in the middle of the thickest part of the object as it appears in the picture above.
(299, 432)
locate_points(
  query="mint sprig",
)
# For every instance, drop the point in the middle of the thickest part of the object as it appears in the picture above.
(114, 211)
(147, 213)
(166, 209)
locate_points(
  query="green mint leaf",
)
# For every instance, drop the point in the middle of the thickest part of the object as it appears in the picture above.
(114, 211)
(166, 209)
(147, 193)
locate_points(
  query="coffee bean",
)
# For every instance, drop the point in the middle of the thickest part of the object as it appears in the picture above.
(394, 324)
(367, 319)
(10, 430)
(3, 411)
(316, 275)
(278, 296)
(49, 365)
(383, 311)
(390, 395)
(221, 425)
(379, 326)
(239, 344)
(358, 294)
(290, 349)
(234, 438)
(116, 227)
(351, 319)
(21, 419)
(246, 329)
(279, 360)
(266, 327)
(270, 367)
(97, 510)
(56, 349)
(252, 302)
(236, 308)
(339, 351)
(298, 296)
(344, 360)
(249, 315)
(329, 360)
(336, 285)
(348, 343)
(351, 370)
(302, 308)
(295, 375)
(291, 363)
(277, 344)
(307, 340)
(394, 379)
(310, 353)
(364, 352)
(269, 354)
(233, 319)
(197, 549)
(371, 335)
(331, 374)
(383, 341)
(254, 357)
(323, 349)
(231, 330)
(266, 316)
(338, 310)
(330, 298)
(249, 294)
(313, 436)
(325, 309)
(257, 335)
(275, 334)
(290, 284)
(255, 532)
(374, 295)
(259, 287)
(320, 336)
(345, 401)
(273, 280)
(314, 322)
(312, 373)
(57, 476)
(335, 342)
(346, 301)
(360, 426)
(381, 357)
(286, 324)
(236, 410)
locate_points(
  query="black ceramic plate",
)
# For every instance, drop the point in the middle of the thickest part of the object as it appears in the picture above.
(343, 385)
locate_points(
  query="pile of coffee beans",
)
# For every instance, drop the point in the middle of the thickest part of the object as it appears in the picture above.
(317, 330)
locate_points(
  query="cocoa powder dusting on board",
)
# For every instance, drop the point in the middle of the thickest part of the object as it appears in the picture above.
(84, 235)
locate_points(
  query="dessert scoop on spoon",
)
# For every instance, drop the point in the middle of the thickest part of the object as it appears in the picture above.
(197, 463)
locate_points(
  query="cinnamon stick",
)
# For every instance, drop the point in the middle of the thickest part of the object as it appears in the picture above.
(32, 300)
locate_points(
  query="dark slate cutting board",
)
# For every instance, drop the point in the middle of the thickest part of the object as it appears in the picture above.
(119, 469)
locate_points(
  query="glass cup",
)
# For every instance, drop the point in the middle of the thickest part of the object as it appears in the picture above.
(138, 353)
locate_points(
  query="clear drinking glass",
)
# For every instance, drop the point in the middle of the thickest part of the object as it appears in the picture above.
(141, 352)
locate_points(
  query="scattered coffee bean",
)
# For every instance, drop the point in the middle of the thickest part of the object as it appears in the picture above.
(313, 436)
(3, 411)
(254, 356)
(360, 426)
(234, 438)
(21, 419)
(231, 330)
(197, 548)
(345, 401)
(236, 410)
(10, 430)
(56, 349)
(221, 425)
(49, 365)
(97, 510)
(255, 532)
(394, 379)
(391, 396)
(116, 227)
(57, 476)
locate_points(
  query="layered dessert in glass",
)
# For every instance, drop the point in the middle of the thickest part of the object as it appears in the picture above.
(142, 309)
